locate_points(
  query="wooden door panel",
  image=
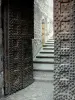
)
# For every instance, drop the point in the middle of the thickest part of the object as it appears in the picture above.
(64, 49)
(18, 66)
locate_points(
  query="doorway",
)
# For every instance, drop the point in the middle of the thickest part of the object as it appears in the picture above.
(43, 32)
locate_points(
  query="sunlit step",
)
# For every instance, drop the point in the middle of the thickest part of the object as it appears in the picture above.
(50, 41)
(50, 48)
(49, 55)
(43, 66)
(49, 45)
(44, 60)
(47, 51)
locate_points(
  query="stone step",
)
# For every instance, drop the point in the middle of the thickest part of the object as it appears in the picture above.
(52, 43)
(51, 40)
(45, 54)
(48, 45)
(43, 75)
(48, 48)
(44, 60)
(43, 67)
(44, 57)
(47, 51)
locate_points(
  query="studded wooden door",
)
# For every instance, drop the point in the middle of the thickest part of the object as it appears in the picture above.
(64, 36)
(18, 68)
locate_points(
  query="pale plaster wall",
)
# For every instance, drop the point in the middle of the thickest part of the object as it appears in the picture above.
(43, 9)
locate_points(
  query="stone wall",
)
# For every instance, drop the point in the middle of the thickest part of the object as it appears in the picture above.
(43, 9)
(37, 43)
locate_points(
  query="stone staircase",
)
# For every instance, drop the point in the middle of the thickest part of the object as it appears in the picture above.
(43, 63)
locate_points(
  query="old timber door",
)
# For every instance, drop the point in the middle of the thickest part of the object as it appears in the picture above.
(64, 35)
(17, 34)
